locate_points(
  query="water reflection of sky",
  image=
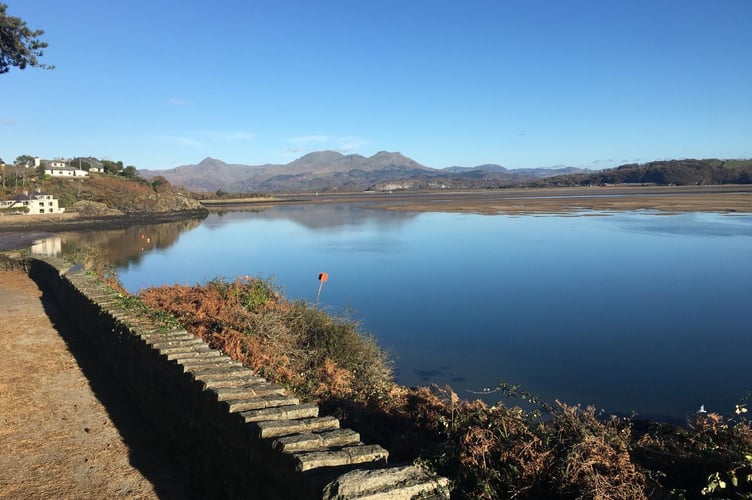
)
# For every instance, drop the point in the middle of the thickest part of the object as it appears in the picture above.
(691, 224)
(630, 311)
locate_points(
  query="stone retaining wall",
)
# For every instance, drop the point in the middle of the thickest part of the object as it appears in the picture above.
(237, 435)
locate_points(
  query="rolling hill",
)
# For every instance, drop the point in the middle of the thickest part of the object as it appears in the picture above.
(687, 172)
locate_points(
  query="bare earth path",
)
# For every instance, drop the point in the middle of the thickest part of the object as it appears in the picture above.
(65, 432)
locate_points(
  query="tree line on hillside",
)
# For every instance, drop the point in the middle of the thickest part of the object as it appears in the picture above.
(664, 173)
(23, 175)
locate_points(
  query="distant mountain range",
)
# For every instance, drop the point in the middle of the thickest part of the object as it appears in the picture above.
(332, 171)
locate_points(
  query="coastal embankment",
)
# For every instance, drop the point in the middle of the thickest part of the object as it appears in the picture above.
(75, 221)
(235, 434)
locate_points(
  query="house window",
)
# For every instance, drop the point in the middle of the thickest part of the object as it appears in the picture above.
(41, 210)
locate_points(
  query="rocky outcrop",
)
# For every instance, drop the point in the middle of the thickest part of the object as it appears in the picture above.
(92, 209)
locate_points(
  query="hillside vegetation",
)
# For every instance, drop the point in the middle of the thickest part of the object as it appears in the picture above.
(104, 194)
(662, 173)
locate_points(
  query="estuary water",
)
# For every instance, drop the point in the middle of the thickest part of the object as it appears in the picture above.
(630, 312)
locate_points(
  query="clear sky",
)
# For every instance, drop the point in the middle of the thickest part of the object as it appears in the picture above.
(521, 83)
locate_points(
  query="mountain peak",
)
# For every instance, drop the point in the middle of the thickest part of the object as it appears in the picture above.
(209, 161)
(321, 156)
(388, 154)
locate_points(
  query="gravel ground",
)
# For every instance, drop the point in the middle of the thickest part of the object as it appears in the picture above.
(65, 430)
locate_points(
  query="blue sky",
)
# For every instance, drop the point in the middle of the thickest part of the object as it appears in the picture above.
(588, 83)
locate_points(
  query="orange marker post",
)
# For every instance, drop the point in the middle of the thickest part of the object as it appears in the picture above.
(322, 278)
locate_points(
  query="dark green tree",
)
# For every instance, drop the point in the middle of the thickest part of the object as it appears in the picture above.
(112, 167)
(130, 172)
(25, 160)
(19, 45)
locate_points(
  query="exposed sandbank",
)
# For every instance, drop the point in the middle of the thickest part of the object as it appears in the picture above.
(737, 198)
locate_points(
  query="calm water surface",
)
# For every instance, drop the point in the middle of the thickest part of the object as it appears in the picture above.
(628, 311)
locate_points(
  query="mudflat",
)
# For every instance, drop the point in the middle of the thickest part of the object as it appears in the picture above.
(727, 198)
(669, 199)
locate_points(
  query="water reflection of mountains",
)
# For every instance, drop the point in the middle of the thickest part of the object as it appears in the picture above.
(313, 216)
(119, 247)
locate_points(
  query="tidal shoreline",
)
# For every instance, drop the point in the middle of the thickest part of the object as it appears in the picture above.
(724, 199)
(18, 231)
(68, 221)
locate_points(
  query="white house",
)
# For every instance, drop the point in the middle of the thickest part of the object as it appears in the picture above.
(36, 203)
(65, 171)
(57, 164)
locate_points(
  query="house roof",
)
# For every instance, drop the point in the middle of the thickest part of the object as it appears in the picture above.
(28, 197)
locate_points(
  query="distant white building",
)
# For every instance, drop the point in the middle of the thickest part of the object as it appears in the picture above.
(35, 203)
(65, 171)
(57, 164)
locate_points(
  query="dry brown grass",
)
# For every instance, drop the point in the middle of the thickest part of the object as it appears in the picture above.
(292, 343)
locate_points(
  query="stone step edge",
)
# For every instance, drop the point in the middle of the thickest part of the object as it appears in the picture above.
(249, 390)
(316, 441)
(280, 428)
(409, 481)
(347, 455)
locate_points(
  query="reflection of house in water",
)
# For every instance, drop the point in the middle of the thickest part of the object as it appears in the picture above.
(48, 247)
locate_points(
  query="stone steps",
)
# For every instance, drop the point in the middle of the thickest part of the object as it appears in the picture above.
(288, 412)
(185, 355)
(167, 342)
(261, 403)
(392, 483)
(187, 348)
(213, 373)
(315, 441)
(222, 361)
(347, 455)
(276, 428)
(228, 382)
(249, 390)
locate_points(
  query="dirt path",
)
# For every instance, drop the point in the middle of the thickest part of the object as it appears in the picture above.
(65, 431)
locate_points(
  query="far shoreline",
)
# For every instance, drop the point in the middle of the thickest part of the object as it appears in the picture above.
(518, 201)
(727, 199)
